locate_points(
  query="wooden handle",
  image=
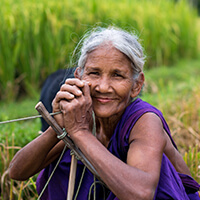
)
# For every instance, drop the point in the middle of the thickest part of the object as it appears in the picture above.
(70, 144)
(48, 118)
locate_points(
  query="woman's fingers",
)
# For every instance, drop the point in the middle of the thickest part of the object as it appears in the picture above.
(66, 96)
(75, 81)
(76, 87)
(71, 89)
(73, 86)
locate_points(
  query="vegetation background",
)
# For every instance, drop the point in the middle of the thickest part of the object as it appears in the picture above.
(38, 37)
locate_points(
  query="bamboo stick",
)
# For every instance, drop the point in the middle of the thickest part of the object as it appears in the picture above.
(72, 178)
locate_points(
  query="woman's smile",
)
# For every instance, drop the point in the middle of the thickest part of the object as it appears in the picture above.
(104, 100)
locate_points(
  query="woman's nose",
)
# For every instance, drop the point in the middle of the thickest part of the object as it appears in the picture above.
(103, 85)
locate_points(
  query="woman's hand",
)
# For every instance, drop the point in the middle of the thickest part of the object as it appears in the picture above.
(75, 102)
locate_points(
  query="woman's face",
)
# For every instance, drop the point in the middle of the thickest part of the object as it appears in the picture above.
(112, 86)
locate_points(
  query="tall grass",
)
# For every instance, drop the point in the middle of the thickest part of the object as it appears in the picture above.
(37, 37)
(12, 138)
(11, 189)
(192, 159)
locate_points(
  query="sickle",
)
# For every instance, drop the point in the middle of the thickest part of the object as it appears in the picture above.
(70, 144)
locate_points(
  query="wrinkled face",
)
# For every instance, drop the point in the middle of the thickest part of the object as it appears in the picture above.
(110, 74)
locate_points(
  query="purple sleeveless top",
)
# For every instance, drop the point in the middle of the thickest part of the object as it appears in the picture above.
(172, 185)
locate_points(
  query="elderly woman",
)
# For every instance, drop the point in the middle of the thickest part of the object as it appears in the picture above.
(132, 149)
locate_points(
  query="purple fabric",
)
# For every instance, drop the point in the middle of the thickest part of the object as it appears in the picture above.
(172, 185)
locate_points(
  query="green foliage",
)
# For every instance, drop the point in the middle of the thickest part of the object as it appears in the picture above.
(38, 37)
(23, 131)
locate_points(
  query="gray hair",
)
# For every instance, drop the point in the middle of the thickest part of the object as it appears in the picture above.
(125, 42)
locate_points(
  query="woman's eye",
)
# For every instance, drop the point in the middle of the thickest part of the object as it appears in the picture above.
(93, 73)
(118, 75)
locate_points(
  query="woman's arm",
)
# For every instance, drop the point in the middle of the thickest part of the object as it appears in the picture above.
(35, 156)
(175, 157)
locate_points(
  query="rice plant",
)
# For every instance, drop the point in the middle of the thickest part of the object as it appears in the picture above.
(38, 37)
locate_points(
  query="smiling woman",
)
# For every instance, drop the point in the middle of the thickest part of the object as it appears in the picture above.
(126, 139)
(112, 84)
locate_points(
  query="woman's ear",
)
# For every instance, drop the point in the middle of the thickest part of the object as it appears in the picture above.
(77, 73)
(137, 87)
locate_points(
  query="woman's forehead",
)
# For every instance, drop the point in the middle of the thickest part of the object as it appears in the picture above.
(107, 53)
(109, 61)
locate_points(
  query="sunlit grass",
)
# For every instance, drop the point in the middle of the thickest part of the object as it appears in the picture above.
(38, 37)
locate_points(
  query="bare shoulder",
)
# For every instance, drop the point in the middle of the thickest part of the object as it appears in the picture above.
(147, 142)
(148, 126)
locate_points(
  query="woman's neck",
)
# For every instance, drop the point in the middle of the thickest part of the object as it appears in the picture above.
(105, 128)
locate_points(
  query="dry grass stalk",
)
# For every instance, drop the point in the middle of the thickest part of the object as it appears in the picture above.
(11, 189)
